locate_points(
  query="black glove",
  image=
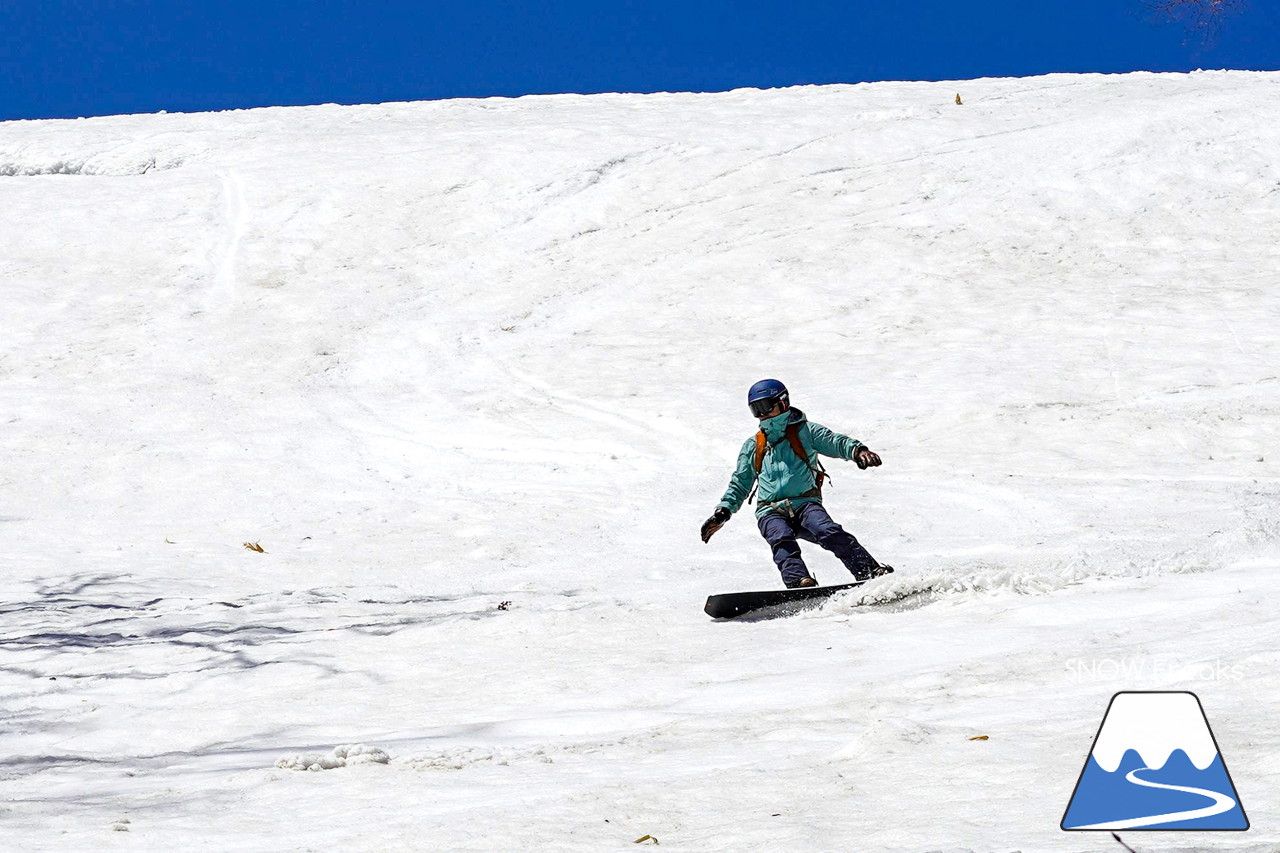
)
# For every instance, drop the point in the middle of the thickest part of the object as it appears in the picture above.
(866, 458)
(714, 523)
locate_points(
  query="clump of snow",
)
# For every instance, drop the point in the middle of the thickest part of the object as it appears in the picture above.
(339, 756)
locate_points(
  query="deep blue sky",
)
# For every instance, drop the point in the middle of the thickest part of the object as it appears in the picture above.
(67, 58)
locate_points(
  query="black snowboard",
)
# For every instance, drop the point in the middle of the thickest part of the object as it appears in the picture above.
(732, 604)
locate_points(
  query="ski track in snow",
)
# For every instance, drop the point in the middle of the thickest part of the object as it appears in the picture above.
(471, 374)
(236, 213)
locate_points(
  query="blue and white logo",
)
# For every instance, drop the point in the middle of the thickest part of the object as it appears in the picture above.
(1155, 765)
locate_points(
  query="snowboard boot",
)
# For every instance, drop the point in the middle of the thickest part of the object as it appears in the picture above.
(878, 571)
(803, 582)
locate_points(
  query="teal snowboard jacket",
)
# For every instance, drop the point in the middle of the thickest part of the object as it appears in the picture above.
(786, 481)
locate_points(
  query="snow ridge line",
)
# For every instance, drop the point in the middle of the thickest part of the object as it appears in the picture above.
(84, 168)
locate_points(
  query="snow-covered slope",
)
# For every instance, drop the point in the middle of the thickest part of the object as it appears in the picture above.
(472, 373)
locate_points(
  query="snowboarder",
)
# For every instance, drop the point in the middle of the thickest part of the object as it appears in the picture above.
(781, 460)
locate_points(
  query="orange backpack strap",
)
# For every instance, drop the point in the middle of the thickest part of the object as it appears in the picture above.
(793, 436)
(762, 444)
(819, 473)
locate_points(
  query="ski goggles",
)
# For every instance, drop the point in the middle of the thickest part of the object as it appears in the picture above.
(765, 405)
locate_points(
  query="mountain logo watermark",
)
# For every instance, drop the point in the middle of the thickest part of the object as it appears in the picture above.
(1155, 764)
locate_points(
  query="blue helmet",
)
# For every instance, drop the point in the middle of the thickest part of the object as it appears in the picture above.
(766, 394)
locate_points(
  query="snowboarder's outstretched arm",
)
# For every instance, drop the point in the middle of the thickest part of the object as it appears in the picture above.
(831, 443)
(744, 477)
